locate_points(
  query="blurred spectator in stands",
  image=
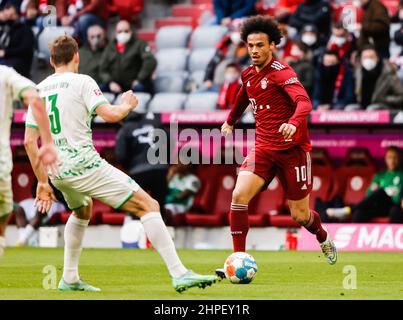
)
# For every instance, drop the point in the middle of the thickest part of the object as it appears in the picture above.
(375, 27)
(35, 11)
(284, 47)
(133, 143)
(300, 59)
(230, 49)
(16, 3)
(341, 41)
(182, 187)
(82, 14)
(398, 18)
(91, 53)
(315, 12)
(16, 41)
(332, 91)
(285, 8)
(28, 219)
(230, 87)
(228, 10)
(377, 85)
(384, 196)
(309, 36)
(127, 62)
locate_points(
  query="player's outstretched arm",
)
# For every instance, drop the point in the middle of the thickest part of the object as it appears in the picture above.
(241, 103)
(115, 113)
(44, 194)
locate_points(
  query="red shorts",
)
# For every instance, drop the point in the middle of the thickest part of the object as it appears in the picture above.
(292, 167)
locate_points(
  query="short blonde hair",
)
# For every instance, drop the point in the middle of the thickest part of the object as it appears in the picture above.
(63, 49)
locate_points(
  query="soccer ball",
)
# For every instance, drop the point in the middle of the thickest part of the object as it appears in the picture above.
(240, 267)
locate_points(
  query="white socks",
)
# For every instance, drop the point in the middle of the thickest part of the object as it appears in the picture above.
(161, 240)
(2, 245)
(73, 238)
(25, 233)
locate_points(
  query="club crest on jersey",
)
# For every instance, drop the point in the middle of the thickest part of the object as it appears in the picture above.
(264, 83)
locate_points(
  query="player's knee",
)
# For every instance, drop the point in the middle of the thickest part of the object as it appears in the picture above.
(300, 215)
(239, 197)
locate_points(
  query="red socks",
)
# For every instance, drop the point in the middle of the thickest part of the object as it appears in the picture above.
(315, 226)
(239, 224)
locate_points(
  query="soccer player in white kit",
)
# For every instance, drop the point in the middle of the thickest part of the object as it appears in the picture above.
(13, 86)
(71, 101)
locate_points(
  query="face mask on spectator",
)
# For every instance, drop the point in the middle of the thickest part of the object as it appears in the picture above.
(308, 39)
(401, 14)
(368, 64)
(235, 38)
(339, 41)
(123, 37)
(96, 41)
(357, 3)
(231, 77)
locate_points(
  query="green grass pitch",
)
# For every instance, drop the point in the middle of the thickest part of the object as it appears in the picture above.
(140, 274)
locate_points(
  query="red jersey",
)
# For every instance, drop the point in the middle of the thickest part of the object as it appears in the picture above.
(277, 97)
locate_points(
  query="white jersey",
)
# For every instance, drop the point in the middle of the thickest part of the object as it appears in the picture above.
(71, 100)
(12, 84)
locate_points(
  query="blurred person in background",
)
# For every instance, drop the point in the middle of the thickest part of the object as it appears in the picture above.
(127, 62)
(183, 185)
(28, 219)
(228, 10)
(375, 26)
(309, 36)
(285, 8)
(229, 88)
(91, 53)
(313, 12)
(230, 49)
(284, 47)
(34, 12)
(133, 143)
(377, 85)
(384, 195)
(332, 91)
(16, 41)
(82, 14)
(300, 59)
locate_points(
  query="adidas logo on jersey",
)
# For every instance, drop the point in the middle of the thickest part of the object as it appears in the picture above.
(277, 65)
(248, 84)
(304, 187)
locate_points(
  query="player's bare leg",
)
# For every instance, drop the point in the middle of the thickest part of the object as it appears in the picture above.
(3, 224)
(147, 209)
(310, 220)
(73, 238)
(247, 186)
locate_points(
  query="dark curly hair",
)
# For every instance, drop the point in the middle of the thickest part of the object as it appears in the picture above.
(262, 24)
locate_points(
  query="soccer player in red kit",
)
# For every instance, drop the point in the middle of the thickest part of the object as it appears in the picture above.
(282, 147)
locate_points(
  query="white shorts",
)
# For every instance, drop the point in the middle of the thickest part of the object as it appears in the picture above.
(104, 183)
(6, 196)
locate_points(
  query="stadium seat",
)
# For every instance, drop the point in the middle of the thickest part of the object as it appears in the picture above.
(143, 98)
(175, 21)
(215, 197)
(170, 82)
(283, 221)
(126, 9)
(199, 59)
(113, 218)
(173, 37)
(197, 77)
(23, 179)
(167, 102)
(48, 35)
(355, 175)
(94, 220)
(380, 220)
(148, 35)
(172, 60)
(205, 101)
(207, 36)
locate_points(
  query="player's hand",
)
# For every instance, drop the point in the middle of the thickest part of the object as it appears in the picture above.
(129, 98)
(44, 197)
(287, 130)
(48, 156)
(226, 129)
